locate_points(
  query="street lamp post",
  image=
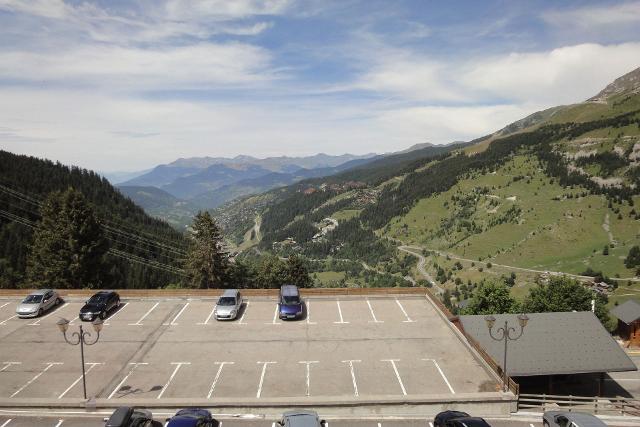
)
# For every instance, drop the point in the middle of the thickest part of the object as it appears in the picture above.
(81, 338)
(505, 334)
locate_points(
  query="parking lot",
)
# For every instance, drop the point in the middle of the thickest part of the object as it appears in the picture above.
(351, 348)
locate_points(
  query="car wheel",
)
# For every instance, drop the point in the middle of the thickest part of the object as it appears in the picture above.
(58, 301)
(39, 312)
(545, 423)
(102, 315)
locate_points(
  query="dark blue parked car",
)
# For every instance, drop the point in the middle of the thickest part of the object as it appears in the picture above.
(192, 417)
(290, 304)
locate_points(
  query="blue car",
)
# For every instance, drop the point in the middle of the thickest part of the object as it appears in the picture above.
(192, 417)
(290, 304)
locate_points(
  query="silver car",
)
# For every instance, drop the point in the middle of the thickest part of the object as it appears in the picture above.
(228, 305)
(38, 302)
(570, 419)
(301, 418)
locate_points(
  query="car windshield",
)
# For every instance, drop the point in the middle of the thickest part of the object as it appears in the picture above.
(32, 299)
(227, 301)
(291, 299)
(97, 299)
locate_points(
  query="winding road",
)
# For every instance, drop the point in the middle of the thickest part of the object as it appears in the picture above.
(421, 264)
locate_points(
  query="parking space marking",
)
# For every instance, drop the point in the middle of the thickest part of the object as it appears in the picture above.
(138, 323)
(206, 322)
(6, 320)
(6, 423)
(135, 365)
(215, 380)
(175, 371)
(395, 369)
(275, 318)
(59, 423)
(353, 375)
(7, 364)
(246, 307)
(37, 321)
(373, 315)
(404, 312)
(264, 370)
(441, 374)
(93, 365)
(308, 363)
(531, 425)
(5, 304)
(379, 424)
(430, 424)
(173, 322)
(74, 319)
(120, 308)
(309, 322)
(340, 313)
(49, 365)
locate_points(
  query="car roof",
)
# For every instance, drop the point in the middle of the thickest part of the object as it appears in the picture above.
(230, 292)
(471, 421)
(581, 418)
(120, 417)
(299, 412)
(289, 290)
(40, 292)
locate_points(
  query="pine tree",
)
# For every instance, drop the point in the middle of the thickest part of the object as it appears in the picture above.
(206, 261)
(298, 272)
(69, 246)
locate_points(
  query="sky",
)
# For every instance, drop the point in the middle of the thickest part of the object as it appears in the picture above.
(125, 85)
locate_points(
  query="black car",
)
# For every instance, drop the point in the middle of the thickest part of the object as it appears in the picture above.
(99, 305)
(192, 417)
(466, 422)
(131, 417)
(441, 419)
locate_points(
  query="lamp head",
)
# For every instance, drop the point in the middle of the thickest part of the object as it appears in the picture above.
(97, 325)
(490, 321)
(63, 325)
(523, 319)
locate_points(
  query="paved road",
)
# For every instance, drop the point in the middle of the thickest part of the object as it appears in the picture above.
(95, 420)
(416, 251)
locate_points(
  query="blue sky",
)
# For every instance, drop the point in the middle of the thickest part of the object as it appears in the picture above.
(125, 85)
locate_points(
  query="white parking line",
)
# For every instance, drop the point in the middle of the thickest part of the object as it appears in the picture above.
(264, 370)
(93, 365)
(7, 364)
(379, 424)
(6, 320)
(246, 307)
(531, 425)
(138, 323)
(308, 363)
(59, 423)
(353, 375)
(395, 369)
(37, 322)
(49, 365)
(206, 322)
(275, 318)
(120, 308)
(135, 365)
(340, 313)
(74, 319)
(215, 381)
(173, 322)
(441, 374)
(375, 320)
(430, 424)
(404, 312)
(5, 304)
(175, 371)
(6, 423)
(309, 322)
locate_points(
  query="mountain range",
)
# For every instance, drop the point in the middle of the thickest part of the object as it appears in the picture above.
(554, 191)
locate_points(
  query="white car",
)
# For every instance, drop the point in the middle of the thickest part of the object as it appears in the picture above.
(229, 305)
(38, 302)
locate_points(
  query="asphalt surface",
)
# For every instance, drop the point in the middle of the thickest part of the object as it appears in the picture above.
(351, 348)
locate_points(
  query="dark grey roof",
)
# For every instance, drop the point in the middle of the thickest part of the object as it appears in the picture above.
(628, 311)
(552, 343)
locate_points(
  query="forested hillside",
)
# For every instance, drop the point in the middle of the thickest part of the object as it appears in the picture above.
(144, 252)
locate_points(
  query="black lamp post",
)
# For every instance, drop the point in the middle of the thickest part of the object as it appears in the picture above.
(81, 338)
(505, 334)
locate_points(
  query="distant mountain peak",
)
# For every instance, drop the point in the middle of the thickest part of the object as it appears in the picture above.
(629, 83)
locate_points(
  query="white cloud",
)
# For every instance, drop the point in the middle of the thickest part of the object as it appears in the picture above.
(595, 16)
(203, 66)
